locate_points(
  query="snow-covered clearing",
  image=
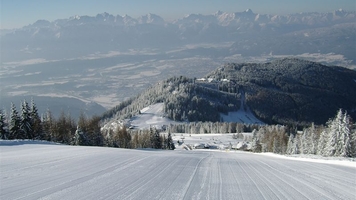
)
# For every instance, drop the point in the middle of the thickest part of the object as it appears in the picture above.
(46, 171)
(243, 115)
(151, 116)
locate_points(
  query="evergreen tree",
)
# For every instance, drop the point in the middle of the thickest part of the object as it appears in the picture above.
(307, 141)
(290, 144)
(26, 121)
(313, 140)
(338, 143)
(256, 144)
(353, 142)
(4, 133)
(170, 142)
(36, 122)
(322, 144)
(345, 137)
(95, 136)
(14, 126)
(80, 137)
(156, 142)
(276, 145)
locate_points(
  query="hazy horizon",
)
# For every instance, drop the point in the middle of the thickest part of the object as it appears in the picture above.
(16, 13)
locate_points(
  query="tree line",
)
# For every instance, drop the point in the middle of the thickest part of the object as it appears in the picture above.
(28, 124)
(336, 139)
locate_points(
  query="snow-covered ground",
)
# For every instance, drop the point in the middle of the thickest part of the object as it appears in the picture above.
(151, 116)
(243, 115)
(47, 171)
(213, 141)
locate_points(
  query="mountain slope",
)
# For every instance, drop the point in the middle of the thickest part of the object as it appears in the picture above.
(184, 100)
(293, 90)
(286, 91)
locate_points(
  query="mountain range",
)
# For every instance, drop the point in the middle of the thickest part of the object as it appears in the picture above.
(83, 35)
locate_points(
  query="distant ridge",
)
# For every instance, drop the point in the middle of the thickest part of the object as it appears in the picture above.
(253, 34)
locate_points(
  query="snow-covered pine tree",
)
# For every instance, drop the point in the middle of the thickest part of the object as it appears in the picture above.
(276, 146)
(307, 143)
(322, 143)
(339, 136)
(313, 140)
(345, 136)
(4, 133)
(256, 144)
(290, 145)
(333, 142)
(14, 126)
(353, 142)
(26, 121)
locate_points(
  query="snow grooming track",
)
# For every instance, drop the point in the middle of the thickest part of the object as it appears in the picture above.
(309, 180)
(190, 181)
(276, 183)
(73, 184)
(144, 181)
(58, 172)
(255, 195)
(90, 183)
(179, 178)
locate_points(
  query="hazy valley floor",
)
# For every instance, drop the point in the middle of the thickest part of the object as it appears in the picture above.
(41, 171)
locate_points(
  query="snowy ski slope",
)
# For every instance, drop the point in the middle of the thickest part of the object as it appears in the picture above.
(45, 171)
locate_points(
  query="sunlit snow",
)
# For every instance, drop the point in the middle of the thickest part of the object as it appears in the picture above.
(151, 116)
(46, 171)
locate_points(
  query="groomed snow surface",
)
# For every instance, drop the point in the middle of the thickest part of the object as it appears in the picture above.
(47, 171)
(153, 116)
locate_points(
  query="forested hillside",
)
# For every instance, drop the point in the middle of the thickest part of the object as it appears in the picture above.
(293, 90)
(286, 91)
(184, 100)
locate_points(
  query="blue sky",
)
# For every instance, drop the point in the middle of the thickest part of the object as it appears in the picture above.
(18, 13)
